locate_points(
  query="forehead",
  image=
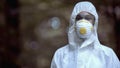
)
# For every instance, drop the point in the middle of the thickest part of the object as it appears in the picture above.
(84, 13)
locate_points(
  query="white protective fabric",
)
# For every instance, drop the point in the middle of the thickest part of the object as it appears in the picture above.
(87, 53)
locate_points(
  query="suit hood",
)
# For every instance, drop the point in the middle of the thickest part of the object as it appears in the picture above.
(73, 40)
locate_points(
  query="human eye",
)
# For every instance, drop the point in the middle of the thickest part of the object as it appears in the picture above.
(78, 17)
(88, 18)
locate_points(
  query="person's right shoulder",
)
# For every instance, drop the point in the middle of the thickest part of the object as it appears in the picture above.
(61, 50)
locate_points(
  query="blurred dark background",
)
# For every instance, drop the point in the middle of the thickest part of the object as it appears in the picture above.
(31, 30)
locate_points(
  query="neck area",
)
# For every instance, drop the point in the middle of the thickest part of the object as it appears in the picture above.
(84, 42)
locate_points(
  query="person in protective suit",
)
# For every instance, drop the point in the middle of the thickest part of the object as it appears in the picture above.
(84, 49)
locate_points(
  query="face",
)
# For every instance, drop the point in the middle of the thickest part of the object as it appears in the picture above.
(84, 25)
(86, 16)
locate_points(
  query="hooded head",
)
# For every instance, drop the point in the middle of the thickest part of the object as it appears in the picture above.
(74, 41)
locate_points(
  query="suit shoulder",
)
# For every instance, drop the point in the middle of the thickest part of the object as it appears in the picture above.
(61, 50)
(107, 50)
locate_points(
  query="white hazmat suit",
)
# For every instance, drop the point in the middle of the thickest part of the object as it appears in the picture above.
(84, 54)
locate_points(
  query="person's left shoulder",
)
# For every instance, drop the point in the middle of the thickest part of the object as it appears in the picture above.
(107, 50)
(111, 57)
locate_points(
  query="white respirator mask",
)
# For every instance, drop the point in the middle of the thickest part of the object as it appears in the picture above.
(84, 28)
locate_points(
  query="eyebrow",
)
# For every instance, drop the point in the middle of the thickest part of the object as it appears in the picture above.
(90, 16)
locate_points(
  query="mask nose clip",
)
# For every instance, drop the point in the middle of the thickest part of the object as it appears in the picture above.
(83, 21)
